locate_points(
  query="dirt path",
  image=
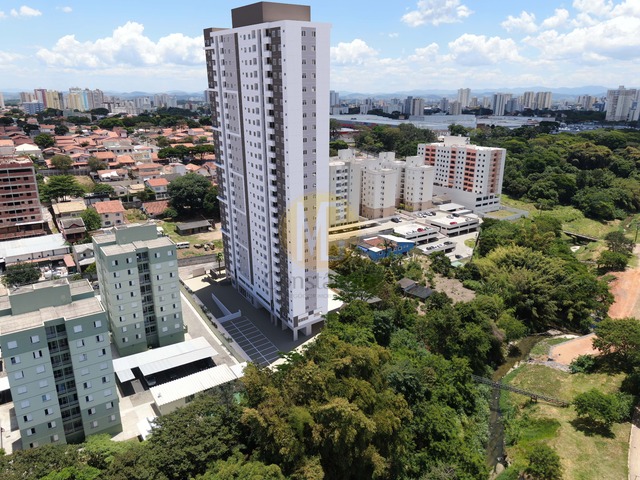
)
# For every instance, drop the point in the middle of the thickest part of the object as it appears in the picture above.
(626, 291)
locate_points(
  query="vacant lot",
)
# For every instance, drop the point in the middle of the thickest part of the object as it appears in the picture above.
(584, 456)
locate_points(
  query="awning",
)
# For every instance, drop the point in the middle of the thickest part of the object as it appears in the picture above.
(68, 261)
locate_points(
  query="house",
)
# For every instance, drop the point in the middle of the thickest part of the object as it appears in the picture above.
(72, 229)
(146, 170)
(83, 254)
(71, 209)
(382, 246)
(412, 288)
(159, 187)
(29, 150)
(108, 157)
(191, 228)
(111, 213)
(199, 169)
(155, 209)
(111, 175)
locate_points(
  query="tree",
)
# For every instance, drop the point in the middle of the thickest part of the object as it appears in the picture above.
(162, 141)
(62, 162)
(170, 212)
(100, 111)
(96, 164)
(597, 408)
(60, 187)
(219, 258)
(334, 128)
(455, 129)
(612, 261)
(104, 188)
(544, 463)
(187, 193)
(21, 274)
(91, 219)
(618, 242)
(44, 140)
(211, 204)
(619, 338)
(61, 130)
(238, 468)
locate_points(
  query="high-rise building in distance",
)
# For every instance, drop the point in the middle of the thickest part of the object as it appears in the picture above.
(464, 96)
(622, 105)
(268, 88)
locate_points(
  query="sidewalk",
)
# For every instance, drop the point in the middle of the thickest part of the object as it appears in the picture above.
(634, 446)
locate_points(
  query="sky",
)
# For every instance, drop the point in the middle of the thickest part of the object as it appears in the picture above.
(377, 46)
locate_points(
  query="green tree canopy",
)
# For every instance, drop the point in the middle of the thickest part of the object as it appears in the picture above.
(59, 187)
(44, 140)
(618, 242)
(103, 188)
(61, 130)
(91, 219)
(21, 274)
(544, 463)
(96, 164)
(188, 192)
(62, 162)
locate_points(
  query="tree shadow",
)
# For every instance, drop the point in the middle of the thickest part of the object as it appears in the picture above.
(591, 428)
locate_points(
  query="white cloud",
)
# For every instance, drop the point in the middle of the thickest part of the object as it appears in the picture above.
(65, 9)
(598, 8)
(126, 46)
(425, 54)
(355, 52)
(2, 14)
(6, 58)
(526, 22)
(25, 11)
(394, 35)
(557, 20)
(474, 50)
(436, 12)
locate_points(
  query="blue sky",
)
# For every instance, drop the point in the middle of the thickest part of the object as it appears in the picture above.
(377, 46)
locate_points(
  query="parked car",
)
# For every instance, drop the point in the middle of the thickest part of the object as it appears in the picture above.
(396, 220)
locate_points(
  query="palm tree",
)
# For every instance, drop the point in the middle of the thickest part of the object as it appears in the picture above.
(219, 257)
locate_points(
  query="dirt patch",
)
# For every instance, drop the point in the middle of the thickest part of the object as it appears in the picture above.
(453, 288)
(626, 292)
(564, 353)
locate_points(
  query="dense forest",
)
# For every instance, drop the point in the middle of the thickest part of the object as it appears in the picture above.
(384, 392)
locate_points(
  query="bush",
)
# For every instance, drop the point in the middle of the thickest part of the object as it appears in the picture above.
(544, 463)
(583, 364)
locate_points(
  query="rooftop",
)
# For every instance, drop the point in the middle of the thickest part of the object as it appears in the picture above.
(24, 246)
(111, 206)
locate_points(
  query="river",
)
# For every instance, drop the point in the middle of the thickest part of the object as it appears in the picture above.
(495, 445)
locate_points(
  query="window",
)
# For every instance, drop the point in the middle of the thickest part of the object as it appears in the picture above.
(18, 375)
(107, 392)
(105, 379)
(80, 343)
(88, 398)
(104, 366)
(112, 418)
(51, 424)
(86, 385)
(12, 344)
(82, 357)
(99, 338)
(31, 431)
(34, 339)
(15, 360)
(55, 437)
(44, 383)
(77, 329)
(46, 397)
(40, 369)
(97, 323)
(102, 352)
(27, 418)
(129, 259)
(25, 404)
(48, 411)
(109, 405)
(22, 389)
(94, 424)
(37, 354)
(114, 263)
(92, 411)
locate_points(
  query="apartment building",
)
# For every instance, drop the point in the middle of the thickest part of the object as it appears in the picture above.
(55, 346)
(139, 287)
(268, 87)
(345, 182)
(467, 174)
(20, 208)
(622, 105)
(464, 97)
(111, 213)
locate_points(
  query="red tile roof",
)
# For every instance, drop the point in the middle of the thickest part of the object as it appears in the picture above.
(111, 206)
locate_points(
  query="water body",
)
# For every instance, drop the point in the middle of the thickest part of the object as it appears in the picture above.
(495, 445)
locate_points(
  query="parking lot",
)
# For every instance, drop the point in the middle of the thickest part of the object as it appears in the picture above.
(260, 349)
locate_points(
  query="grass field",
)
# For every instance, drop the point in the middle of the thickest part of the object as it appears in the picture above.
(542, 348)
(584, 456)
(86, 182)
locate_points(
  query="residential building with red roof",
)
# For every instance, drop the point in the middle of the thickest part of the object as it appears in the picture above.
(111, 213)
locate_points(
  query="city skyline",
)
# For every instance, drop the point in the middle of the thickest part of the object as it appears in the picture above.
(376, 47)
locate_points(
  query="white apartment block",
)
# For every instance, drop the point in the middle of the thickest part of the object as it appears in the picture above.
(345, 183)
(139, 287)
(55, 347)
(383, 184)
(543, 100)
(499, 103)
(622, 105)
(464, 96)
(467, 174)
(268, 88)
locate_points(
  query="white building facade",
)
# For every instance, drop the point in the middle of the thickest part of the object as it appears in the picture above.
(467, 174)
(268, 88)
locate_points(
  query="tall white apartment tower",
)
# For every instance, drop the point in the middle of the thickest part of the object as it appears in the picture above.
(464, 96)
(623, 105)
(268, 87)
